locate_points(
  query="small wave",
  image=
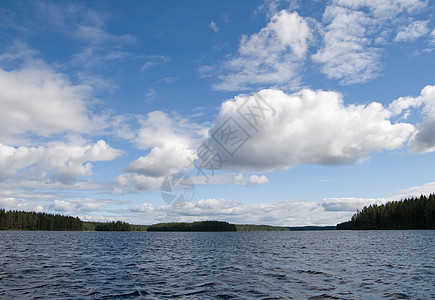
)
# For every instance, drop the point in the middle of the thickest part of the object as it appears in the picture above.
(324, 296)
(312, 272)
(396, 296)
(126, 295)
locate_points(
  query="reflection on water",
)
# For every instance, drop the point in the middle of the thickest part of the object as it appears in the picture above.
(156, 265)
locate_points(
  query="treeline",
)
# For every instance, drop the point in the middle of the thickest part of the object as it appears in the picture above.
(112, 226)
(248, 227)
(411, 213)
(21, 220)
(195, 226)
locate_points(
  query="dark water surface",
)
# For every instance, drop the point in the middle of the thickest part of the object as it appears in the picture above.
(242, 265)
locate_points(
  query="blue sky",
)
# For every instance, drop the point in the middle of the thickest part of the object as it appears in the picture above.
(281, 112)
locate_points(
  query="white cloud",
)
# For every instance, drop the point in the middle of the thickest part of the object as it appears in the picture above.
(137, 182)
(432, 37)
(350, 204)
(158, 128)
(348, 31)
(82, 205)
(214, 26)
(415, 191)
(97, 35)
(253, 180)
(423, 140)
(353, 26)
(171, 140)
(66, 162)
(258, 180)
(59, 205)
(412, 32)
(143, 208)
(117, 191)
(154, 61)
(353, 204)
(27, 195)
(10, 203)
(346, 54)
(403, 104)
(385, 9)
(163, 160)
(309, 127)
(42, 102)
(271, 56)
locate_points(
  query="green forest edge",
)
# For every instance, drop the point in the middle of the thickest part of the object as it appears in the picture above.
(411, 213)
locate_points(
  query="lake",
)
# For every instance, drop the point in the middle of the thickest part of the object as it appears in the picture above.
(225, 265)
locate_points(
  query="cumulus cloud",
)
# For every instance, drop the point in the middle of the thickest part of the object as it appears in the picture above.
(64, 162)
(253, 180)
(137, 182)
(162, 160)
(42, 102)
(143, 208)
(423, 140)
(412, 32)
(276, 130)
(308, 127)
(171, 140)
(271, 56)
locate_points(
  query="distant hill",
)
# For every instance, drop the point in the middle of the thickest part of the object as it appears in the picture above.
(411, 213)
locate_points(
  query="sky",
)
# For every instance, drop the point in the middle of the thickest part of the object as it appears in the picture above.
(261, 112)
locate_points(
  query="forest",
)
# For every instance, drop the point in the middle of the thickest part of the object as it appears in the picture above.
(112, 226)
(248, 227)
(195, 226)
(410, 213)
(21, 220)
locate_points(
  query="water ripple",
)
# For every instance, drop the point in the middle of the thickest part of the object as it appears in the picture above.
(232, 265)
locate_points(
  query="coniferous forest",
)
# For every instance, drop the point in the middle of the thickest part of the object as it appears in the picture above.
(195, 226)
(411, 213)
(21, 220)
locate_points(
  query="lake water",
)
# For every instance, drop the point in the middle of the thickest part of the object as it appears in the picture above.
(202, 265)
